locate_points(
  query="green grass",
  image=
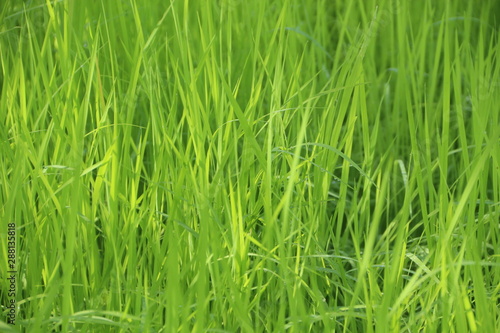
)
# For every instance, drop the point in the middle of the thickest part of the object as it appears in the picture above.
(251, 166)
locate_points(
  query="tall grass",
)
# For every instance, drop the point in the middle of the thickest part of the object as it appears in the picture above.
(253, 166)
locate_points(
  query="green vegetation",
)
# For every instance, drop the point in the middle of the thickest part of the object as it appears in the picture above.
(251, 166)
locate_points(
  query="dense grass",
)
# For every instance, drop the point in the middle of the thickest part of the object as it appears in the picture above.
(251, 166)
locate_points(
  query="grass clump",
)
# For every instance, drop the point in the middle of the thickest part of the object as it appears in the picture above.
(302, 166)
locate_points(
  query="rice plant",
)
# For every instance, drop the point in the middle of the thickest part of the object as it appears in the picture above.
(250, 166)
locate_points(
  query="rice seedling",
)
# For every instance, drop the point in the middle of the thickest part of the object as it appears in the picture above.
(250, 166)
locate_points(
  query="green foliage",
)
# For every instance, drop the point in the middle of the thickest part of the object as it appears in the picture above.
(251, 166)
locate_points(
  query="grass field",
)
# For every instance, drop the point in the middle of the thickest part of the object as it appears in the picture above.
(250, 166)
